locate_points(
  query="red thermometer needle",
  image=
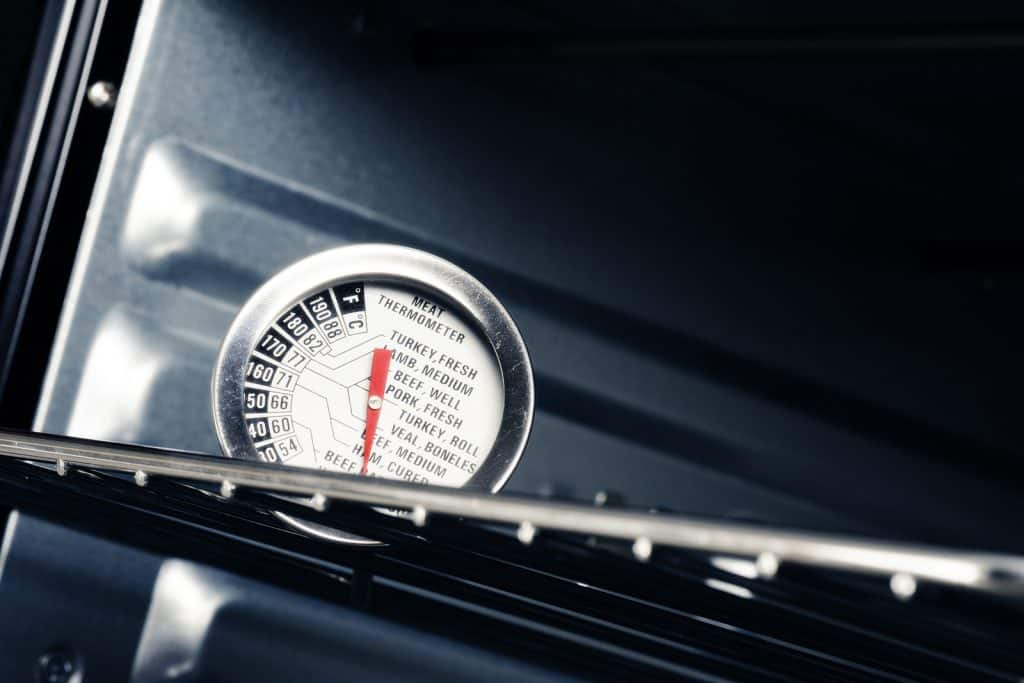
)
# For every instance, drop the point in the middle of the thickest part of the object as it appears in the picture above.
(378, 383)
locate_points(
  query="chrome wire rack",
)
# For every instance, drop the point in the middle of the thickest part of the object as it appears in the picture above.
(904, 564)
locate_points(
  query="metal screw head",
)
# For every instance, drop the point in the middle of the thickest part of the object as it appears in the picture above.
(59, 665)
(102, 94)
(375, 402)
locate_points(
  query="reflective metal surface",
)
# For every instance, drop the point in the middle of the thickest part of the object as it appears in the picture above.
(681, 362)
(199, 203)
(394, 265)
(1002, 574)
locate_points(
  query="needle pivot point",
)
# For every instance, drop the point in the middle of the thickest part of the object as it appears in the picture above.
(378, 386)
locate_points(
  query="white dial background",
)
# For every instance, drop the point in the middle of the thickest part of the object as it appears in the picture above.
(307, 386)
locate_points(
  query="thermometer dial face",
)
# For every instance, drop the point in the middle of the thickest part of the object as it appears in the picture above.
(307, 386)
(378, 361)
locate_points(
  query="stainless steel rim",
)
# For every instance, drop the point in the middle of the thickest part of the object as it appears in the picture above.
(391, 264)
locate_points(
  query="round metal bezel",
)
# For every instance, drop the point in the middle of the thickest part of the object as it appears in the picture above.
(390, 264)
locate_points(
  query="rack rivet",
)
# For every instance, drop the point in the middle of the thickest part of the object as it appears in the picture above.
(419, 516)
(141, 478)
(608, 499)
(62, 467)
(319, 502)
(903, 586)
(642, 548)
(227, 489)
(767, 565)
(526, 533)
(102, 94)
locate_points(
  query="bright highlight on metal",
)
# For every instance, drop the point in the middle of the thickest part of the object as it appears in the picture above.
(903, 585)
(419, 516)
(767, 565)
(526, 533)
(643, 548)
